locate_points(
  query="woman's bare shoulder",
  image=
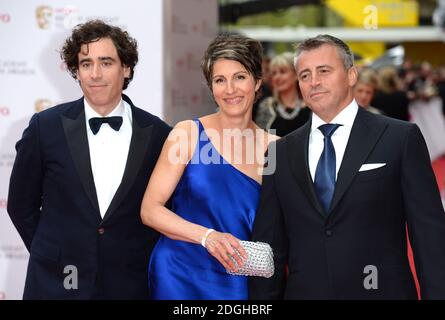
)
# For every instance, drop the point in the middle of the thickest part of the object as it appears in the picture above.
(185, 125)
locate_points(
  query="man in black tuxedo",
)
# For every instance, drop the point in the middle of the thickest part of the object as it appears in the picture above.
(80, 174)
(346, 186)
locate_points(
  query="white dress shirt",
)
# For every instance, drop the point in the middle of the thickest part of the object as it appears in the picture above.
(339, 138)
(109, 152)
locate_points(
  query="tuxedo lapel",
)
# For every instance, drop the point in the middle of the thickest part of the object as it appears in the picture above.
(365, 133)
(74, 126)
(140, 140)
(297, 150)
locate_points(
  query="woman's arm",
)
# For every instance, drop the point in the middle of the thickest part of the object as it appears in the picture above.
(176, 153)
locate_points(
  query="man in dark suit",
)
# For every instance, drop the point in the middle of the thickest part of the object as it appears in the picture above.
(345, 187)
(80, 174)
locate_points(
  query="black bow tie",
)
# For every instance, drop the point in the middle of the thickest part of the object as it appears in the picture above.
(114, 122)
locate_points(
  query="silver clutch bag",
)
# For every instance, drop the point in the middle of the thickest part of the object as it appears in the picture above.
(259, 260)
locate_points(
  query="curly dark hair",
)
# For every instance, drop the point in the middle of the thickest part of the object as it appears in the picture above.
(95, 30)
(232, 46)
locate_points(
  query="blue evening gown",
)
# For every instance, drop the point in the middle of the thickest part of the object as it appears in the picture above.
(217, 196)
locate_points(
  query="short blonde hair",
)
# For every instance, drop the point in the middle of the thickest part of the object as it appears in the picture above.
(285, 59)
(369, 77)
(388, 79)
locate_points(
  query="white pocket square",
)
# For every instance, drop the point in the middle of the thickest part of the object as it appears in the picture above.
(371, 166)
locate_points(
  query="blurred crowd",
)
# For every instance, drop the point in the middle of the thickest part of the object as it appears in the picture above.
(388, 90)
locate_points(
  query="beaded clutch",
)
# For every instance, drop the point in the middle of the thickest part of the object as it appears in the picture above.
(259, 260)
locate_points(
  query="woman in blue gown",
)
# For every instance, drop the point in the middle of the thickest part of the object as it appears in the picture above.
(210, 168)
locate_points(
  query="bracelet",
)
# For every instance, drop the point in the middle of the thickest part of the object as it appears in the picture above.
(204, 239)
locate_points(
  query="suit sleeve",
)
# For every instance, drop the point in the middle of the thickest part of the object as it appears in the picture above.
(269, 227)
(425, 216)
(25, 185)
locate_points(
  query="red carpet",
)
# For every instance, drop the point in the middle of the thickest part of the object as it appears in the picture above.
(439, 171)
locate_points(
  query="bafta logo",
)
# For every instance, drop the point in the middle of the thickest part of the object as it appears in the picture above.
(42, 104)
(43, 13)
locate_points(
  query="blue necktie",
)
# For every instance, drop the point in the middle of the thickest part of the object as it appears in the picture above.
(324, 181)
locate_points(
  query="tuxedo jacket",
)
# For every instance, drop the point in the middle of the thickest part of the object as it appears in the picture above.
(74, 253)
(358, 249)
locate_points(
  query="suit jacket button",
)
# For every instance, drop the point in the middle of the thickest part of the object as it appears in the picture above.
(328, 233)
(101, 231)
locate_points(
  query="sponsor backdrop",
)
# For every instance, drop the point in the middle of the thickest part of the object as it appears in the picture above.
(172, 36)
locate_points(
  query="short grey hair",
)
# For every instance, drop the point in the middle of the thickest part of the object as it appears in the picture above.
(343, 49)
(232, 46)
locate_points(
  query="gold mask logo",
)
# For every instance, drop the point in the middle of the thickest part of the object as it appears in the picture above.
(43, 13)
(42, 104)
